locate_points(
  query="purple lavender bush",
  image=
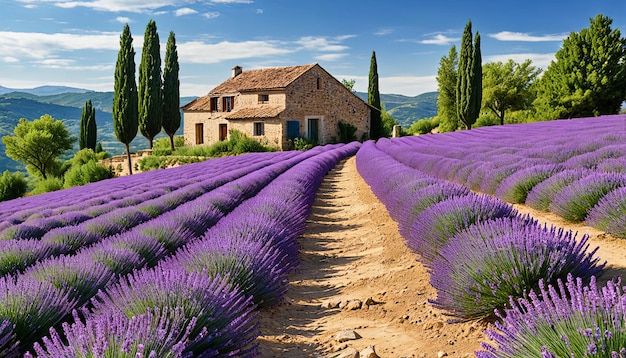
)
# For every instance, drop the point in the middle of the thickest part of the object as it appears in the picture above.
(574, 201)
(225, 318)
(565, 319)
(120, 261)
(610, 213)
(484, 265)
(8, 345)
(515, 188)
(16, 255)
(156, 333)
(434, 226)
(542, 194)
(32, 307)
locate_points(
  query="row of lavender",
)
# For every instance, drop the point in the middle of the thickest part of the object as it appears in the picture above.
(574, 168)
(57, 225)
(487, 261)
(127, 296)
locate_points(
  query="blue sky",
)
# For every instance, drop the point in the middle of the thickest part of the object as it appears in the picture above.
(75, 42)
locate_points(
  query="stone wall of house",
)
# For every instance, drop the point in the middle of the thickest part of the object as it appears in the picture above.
(316, 94)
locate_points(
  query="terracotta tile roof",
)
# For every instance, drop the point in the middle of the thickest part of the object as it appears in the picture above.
(256, 112)
(198, 104)
(262, 79)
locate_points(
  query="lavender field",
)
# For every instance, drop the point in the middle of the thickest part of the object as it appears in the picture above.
(168, 263)
(452, 197)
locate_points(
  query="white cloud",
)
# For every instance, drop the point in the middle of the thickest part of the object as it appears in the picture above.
(211, 15)
(107, 5)
(37, 45)
(185, 11)
(232, 1)
(526, 37)
(541, 60)
(439, 39)
(10, 59)
(331, 56)
(200, 52)
(383, 32)
(259, 11)
(323, 44)
(123, 19)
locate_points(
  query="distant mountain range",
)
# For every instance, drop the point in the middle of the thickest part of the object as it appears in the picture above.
(66, 103)
(407, 110)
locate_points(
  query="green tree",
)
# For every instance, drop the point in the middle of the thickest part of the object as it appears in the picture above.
(446, 100)
(388, 122)
(125, 94)
(469, 80)
(507, 86)
(38, 144)
(171, 90)
(150, 92)
(373, 98)
(88, 130)
(85, 168)
(588, 77)
(12, 185)
(349, 84)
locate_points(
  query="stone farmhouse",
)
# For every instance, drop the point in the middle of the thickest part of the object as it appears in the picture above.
(276, 105)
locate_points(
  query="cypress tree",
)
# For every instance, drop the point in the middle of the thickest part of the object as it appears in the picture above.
(463, 84)
(125, 113)
(469, 80)
(476, 84)
(171, 90)
(373, 98)
(446, 100)
(88, 131)
(150, 96)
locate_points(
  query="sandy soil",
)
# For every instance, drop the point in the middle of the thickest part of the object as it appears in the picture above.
(358, 275)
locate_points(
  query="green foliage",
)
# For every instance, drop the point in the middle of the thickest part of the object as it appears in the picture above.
(446, 85)
(171, 90)
(86, 168)
(349, 84)
(125, 98)
(347, 132)
(388, 123)
(588, 77)
(88, 130)
(87, 173)
(150, 91)
(38, 144)
(47, 185)
(486, 119)
(424, 126)
(303, 144)
(507, 86)
(469, 79)
(12, 185)
(373, 98)
(162, 146)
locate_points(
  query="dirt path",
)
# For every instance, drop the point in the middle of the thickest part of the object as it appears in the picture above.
(353, 256)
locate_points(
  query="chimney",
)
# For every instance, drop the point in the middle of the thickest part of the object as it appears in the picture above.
(237, 71)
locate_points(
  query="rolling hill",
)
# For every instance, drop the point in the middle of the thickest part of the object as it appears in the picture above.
(405, 109)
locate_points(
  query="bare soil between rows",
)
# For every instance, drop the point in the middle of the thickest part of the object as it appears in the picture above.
(357, 274)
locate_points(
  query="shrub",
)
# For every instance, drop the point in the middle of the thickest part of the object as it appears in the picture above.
(47, 185)
(220, 309)
(610, 213)
(516, 187)
(423, 126)
(347, 132)
(565, 319)
(12, 185)
(303, 144)
(32, 307)
(574, 202)
(157, 333)
(434, 226)
(542, 194)
(86, 173)
(81, 279)
(484, 265)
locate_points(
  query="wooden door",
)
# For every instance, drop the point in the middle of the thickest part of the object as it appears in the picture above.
(223, 131)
